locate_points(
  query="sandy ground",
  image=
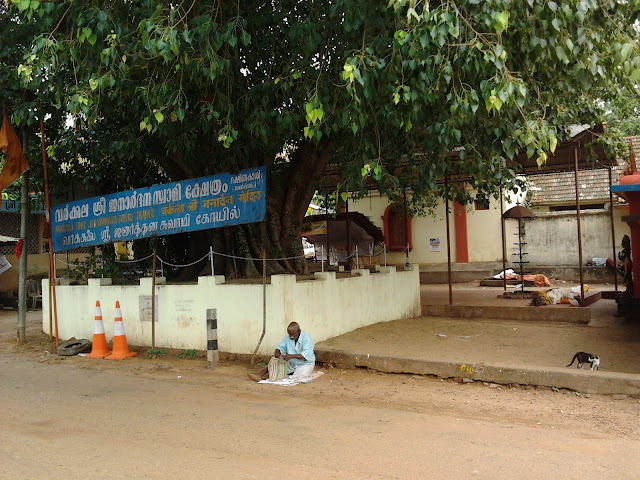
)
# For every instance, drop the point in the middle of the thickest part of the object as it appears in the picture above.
(168, 418)
(514, 343)
(495, 342)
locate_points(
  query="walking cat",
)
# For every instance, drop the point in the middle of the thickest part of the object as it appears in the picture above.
(583, 357)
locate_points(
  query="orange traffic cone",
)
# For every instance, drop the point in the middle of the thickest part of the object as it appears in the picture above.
(99, 348)
(120, 348)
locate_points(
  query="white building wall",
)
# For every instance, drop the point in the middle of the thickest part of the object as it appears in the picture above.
(428, 227)
(483, 231)
(552, 236)
(325, 307)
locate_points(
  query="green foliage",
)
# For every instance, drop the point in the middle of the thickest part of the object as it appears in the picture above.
(326, 201)
(623, 114)
(77, 270)
(156, 353)
(190, 354)
(102, 264)
(164, 91)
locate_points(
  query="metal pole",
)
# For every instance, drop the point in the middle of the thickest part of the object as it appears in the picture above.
(211, 259)
(384, 246)
(51, 279)
(322, 257)
(406, 226)
(52, 259)
(520, 242)
(264, 302)
(446, 215)
(264, 291)
(326, 219)
(22, 291)
(613, 233)
(357, 262)
(504, 256)
(575, 156)
(212, 337)
(406, 262)
(348, 234)
(153, 294)
(55, 302)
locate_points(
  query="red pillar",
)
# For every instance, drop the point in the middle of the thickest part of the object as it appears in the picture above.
(634, 226)
(460, 222)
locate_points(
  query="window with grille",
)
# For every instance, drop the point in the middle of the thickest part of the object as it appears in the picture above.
(481, 202)
(10, 226)
(397, 229)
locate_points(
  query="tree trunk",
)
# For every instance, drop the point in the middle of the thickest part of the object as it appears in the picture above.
(290, 188)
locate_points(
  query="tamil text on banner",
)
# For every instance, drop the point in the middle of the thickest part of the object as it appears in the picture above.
(14, 206)
(189, 205)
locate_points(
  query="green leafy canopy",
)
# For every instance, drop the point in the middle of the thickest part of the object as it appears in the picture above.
(202, 87)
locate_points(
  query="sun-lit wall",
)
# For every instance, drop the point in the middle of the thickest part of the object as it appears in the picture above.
(483, 232)
(325, 307)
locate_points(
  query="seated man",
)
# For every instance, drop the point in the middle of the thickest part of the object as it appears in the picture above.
(297, 349)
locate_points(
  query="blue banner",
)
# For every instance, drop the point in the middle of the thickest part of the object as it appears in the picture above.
(14, 206)
(186, 206)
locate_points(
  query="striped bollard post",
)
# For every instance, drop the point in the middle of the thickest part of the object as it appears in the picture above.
(212, 337)
(407, 264)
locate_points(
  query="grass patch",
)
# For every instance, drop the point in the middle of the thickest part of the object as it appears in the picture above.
(190, 354)
(156, 353)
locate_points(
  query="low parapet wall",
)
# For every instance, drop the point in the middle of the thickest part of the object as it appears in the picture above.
(560, 313)
(463, 273)
(325, 307)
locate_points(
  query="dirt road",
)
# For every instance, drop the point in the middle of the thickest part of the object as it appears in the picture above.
(171, 418)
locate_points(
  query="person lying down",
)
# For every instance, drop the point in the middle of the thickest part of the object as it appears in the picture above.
(556, 296)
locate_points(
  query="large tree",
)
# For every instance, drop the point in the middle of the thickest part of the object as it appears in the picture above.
(623, 115)
(163, 92)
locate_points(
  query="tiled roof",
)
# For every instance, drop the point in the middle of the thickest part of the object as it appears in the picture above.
(593, 185)
(563, 159)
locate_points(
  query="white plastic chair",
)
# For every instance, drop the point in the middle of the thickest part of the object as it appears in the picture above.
(34, 292)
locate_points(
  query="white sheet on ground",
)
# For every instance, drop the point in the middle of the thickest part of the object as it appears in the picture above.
(303, 374)
(509, 271)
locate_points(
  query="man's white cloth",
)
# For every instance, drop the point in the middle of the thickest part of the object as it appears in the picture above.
(302, 374)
